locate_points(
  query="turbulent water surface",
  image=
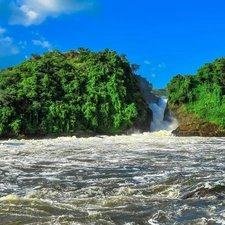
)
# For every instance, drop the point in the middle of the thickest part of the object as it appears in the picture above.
(151, 178)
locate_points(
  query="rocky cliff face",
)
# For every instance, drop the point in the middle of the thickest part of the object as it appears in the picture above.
(190, 125)
(203, 129)
(146, 90)
(177, 111)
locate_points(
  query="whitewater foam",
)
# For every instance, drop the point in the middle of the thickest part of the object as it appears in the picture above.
(158, 122)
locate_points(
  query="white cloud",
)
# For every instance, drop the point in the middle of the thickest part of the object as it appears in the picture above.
(23, 44)
(153, 75)
(28, 12)
(2, 30)
(153, 69)
(43, 44)
(162, 65)
(7, 46)
(147, 62)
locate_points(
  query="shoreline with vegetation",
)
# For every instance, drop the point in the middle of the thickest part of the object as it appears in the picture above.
(72, 92)
(198, 101)
(84, 93)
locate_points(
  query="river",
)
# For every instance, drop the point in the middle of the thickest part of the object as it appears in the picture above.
(151, 178)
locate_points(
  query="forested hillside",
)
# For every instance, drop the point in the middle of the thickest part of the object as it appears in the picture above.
(69, 92)
(203, 93)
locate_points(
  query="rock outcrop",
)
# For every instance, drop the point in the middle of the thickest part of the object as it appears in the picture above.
(203, 129)
(190, 125)
(178, 112)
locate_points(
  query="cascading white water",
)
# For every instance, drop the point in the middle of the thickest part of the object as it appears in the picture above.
(158, 115)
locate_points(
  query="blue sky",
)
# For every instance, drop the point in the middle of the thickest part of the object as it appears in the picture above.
(164, 37)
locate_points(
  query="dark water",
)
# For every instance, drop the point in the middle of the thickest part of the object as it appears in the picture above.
(151, 178)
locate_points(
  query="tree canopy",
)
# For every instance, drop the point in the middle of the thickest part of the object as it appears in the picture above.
(68, 92)
(203, 93)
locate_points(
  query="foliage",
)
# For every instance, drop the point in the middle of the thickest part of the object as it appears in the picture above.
(69, 92)
(160, 92)
(203, 93)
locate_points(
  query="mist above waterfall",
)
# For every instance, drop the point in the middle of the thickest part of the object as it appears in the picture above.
(158, 122)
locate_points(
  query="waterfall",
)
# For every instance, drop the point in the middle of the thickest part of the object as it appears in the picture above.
(158, 115)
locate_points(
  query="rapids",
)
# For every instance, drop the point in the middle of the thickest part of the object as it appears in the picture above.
(151, 178)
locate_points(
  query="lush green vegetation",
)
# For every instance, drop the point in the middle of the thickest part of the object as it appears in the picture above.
(203, 93)
(160, 92)
(70, 92)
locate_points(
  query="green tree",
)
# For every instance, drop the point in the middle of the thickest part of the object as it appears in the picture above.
(69, 92)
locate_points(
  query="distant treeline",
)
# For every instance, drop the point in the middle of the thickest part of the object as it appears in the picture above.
(203, 93)
(68, 92)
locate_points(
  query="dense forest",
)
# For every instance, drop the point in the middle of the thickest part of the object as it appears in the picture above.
(75, 91)
(203, 93)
